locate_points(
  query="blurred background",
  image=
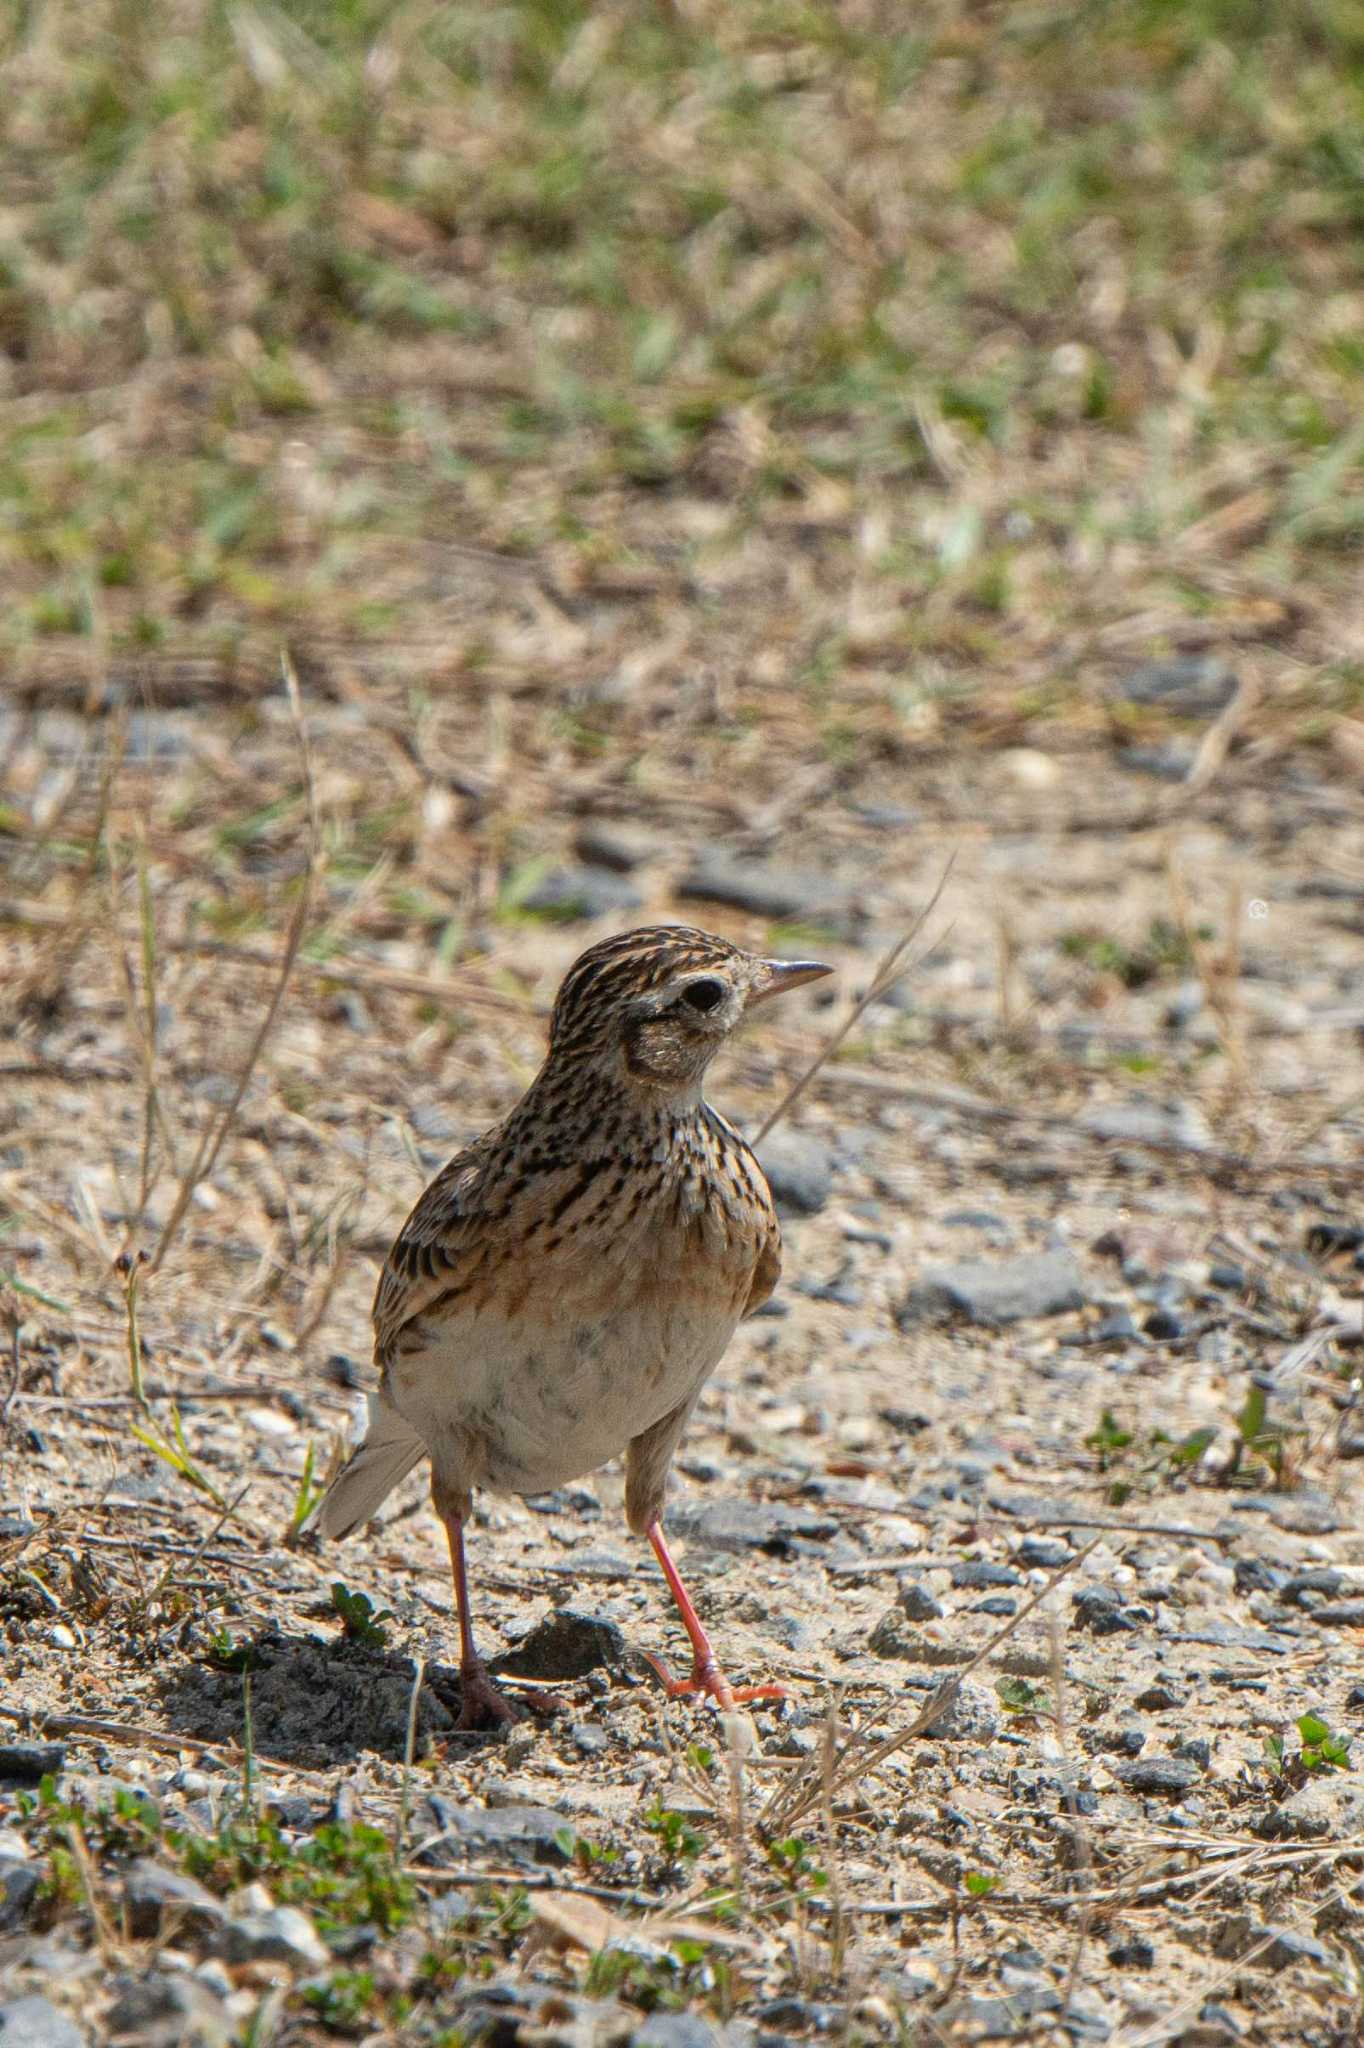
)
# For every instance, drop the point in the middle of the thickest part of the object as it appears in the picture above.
(723, 462)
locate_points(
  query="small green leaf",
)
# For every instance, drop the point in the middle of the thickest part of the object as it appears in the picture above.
(979, 1885)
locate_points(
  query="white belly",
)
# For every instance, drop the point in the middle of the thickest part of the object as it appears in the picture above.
(522, 1405)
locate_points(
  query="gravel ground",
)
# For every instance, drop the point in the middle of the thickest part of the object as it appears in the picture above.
(1056, 1400)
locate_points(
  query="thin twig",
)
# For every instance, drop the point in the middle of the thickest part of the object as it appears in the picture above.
(852, 1765)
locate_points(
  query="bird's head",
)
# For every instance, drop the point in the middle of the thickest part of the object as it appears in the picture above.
(656, 1004)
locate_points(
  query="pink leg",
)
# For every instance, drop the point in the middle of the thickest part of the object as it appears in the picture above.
(706, 1675)
(483, 1706)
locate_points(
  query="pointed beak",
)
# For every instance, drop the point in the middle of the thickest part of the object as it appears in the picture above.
(779, 975)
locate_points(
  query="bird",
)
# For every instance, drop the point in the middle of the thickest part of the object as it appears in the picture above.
(565, 1286)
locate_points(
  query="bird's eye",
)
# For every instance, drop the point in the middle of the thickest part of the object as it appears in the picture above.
(704, 995)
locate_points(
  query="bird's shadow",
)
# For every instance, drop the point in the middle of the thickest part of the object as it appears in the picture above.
(311, 1702)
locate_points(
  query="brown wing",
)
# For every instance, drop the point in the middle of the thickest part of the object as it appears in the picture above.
(767, 1272)
(440, 1248)
(474, 1236)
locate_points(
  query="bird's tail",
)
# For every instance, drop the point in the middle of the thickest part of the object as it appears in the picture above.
(390, 1449)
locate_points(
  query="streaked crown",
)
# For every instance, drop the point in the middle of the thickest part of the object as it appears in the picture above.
(665, 997)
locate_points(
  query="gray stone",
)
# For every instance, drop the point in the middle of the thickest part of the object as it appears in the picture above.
(1187, 685)
(607, 845)
(151, 1890)
(917, 1602)
(765, 887)
(18, 1888)
(36, 2023)
(1328, 1805)
(969, 1716)
(998, 1290)
(676, 2030)
(568, 895)
(283, 1935)
(736, 1524)
(526, 1834)
(28, 1762)
(977, 1573)
(892, 1638)
(160, 2011)
(1339, 1614)
(798, 1168)
(1277, 1946)
(1139, 1121)
(566, 1644)
(1170, 1775)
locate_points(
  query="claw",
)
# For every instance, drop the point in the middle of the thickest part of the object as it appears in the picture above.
(481, 1704)
(710, 1682)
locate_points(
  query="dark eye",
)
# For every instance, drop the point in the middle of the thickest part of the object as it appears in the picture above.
(704, 995)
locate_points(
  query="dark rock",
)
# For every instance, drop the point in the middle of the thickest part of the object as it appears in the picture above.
(1230, 1279)
(151, 1891)
(19, 1884)
(1355, 1696)
(1132, 1952)
(916, 1601)
(161, 2011)
(890, 1637)
(1164, 1325)
(1186, 685)
(294, 1811)
(1117, 1327)
(907, 1420)
(1323, 1239)
(1161, 1696)
(799, 1170)
(761, 886)
(996, 1603)
(737, 1524)
(27, 1762)
(1042, 1553)
(977, 1572)
(568, 895)
(1339, 1614)
(1171, 1775)
(1099, 1609)
(1256, 1575)
(1196, 1748)
(36, 2023)
(1225, 1635)
(997, 1290)
(526, 1834)
(1318, 1579)
(1267, 1946)
(566, 1644)
(619, 847)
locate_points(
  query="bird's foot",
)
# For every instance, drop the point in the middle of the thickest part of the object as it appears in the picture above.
(708, 1681)
(481, 1704)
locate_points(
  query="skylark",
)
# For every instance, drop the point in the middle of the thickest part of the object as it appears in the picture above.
(566, 1286)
